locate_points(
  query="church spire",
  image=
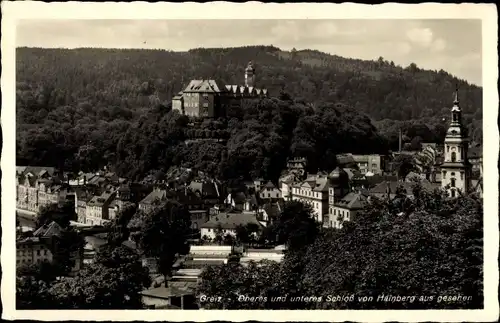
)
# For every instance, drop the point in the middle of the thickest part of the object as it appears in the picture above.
(455, 101)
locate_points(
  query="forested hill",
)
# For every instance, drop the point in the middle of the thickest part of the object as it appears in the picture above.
(89, 86)
(378, 88)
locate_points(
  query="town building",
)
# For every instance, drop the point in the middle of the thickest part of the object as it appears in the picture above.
(153, 199)
(41, 247)
(39, 186)
(211, 98)
(242, 201)
(82, 197)
(286, 181)
(198, 218)
(97, 209)
(389, 189)
(346, 208)
(456, 170)
(270, 192)
(313, 191)
(374, 164)
(228, 222)
(208, 191)
(276, 254)
(475, 156)
(338, 188)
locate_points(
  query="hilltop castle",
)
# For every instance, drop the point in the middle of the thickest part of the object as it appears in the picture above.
(211, 98)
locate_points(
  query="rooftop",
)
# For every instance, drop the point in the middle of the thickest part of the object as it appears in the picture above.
(230, 221)
(48, 230)
(352, 201)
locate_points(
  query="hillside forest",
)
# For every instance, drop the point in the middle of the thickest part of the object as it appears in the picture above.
(82, 109)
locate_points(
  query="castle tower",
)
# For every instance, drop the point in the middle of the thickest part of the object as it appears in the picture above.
(456, 169)
(249, 75)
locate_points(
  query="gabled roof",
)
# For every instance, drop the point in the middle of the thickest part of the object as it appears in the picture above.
(229, 221)
(40, 170)
(321, 185)
(154, 195)
(345, 159)
(48, 230)
(270, 185)
(205, 188)
(20, 169)
(352, 201)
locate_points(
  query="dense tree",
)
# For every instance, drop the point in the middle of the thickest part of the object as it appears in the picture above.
(430, 246)
(32, 293)
(44, 271)
(113, 282)
(117, 228)
(66, 250)
(61, 214)
(162, 234)
(248, 233)
(404, 164)
(249, 286)
(296, 226)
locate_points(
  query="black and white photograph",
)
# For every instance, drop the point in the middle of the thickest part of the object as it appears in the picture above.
(256, 162)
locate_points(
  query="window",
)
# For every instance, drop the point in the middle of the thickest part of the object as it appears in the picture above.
(452, 182)
(45, 252)
(453, 156)
(452, 193)
(444, 174)
(38, 252)
(462, 175)
(268, 194)
(447, 148)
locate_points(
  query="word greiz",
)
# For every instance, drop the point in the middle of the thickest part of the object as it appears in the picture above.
(338, 298)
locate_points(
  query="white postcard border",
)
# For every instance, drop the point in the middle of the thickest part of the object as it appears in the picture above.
(13, 11)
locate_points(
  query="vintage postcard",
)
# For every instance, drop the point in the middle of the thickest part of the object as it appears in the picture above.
(253, 161)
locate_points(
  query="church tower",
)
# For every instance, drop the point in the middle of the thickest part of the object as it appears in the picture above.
(250, 75)
(456, 169)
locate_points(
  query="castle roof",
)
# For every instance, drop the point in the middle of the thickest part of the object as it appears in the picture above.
(205, 86)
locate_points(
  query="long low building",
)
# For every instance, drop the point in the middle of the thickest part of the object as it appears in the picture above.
(257, 255)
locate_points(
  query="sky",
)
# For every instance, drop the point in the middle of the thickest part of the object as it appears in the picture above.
(453, 45)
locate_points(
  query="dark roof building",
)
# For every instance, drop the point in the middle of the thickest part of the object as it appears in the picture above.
(230, 221)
